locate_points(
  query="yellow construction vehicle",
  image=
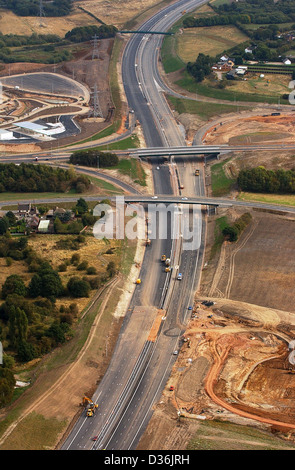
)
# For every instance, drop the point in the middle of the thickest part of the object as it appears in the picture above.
(163, 258)
(138, 281)
(90, 406)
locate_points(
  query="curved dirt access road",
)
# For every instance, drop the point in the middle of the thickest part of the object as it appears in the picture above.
(220, 355)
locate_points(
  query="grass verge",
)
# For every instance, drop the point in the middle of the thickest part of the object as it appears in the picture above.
(282, 199)
(220, 224)
(221, 184)
(197, 107)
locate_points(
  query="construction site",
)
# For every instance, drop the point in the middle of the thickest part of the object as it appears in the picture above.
(235, 366)
(72, 100)
(236, 358)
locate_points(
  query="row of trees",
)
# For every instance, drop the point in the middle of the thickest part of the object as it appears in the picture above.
(232, 232)
(216, 20)
(39, 178)
(261, 180)
(260, 11)
(86, 33)
(32, 7)
(94, 158)
(15, 40)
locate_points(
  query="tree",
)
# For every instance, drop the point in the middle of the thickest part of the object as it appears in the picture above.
(78, 287)
(231, 233)
(56, 332)
(201, 67)
(18, 326)
(81, 206)
(7, 383)
(4, 225)
(46, 282)
(13, 285)
(111, 268)
(11, 217)
(26, 351)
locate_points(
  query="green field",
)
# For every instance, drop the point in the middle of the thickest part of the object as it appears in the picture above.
(283, 199)
(208, 88)
(221, 184)
(205, 112)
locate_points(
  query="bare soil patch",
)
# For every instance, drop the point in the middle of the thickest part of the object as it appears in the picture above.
(254, 129)
(235, 370)
(259, 269)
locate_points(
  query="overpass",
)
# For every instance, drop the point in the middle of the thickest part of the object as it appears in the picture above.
(146, 32)
(207, 201)
(200, 200)
(172, 151)
(203, 150)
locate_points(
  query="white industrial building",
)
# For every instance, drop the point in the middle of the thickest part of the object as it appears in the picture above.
(5, 134)
(43, 131)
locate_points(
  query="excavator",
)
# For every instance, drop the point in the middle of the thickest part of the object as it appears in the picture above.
(90, 406)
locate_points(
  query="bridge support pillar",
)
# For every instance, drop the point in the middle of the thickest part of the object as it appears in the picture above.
(211, 210)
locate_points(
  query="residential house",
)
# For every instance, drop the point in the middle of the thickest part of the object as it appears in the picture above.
(32, 222)
(231, 75)
(24, 208)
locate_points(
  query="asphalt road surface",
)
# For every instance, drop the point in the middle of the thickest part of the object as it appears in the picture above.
(44, 82)
(140, 367)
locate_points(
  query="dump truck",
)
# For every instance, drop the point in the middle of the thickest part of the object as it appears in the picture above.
(197, 172)
(138, 281)
(148, 242)
(163, 258)
(90, 406)
(167, 262)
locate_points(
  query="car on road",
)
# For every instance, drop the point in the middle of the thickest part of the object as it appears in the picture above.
(184, 198)
(154, 197)
(95, 438)
(179, 276)
(175, 352)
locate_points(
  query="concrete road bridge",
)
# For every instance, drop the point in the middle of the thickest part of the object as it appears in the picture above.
(156, 152)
